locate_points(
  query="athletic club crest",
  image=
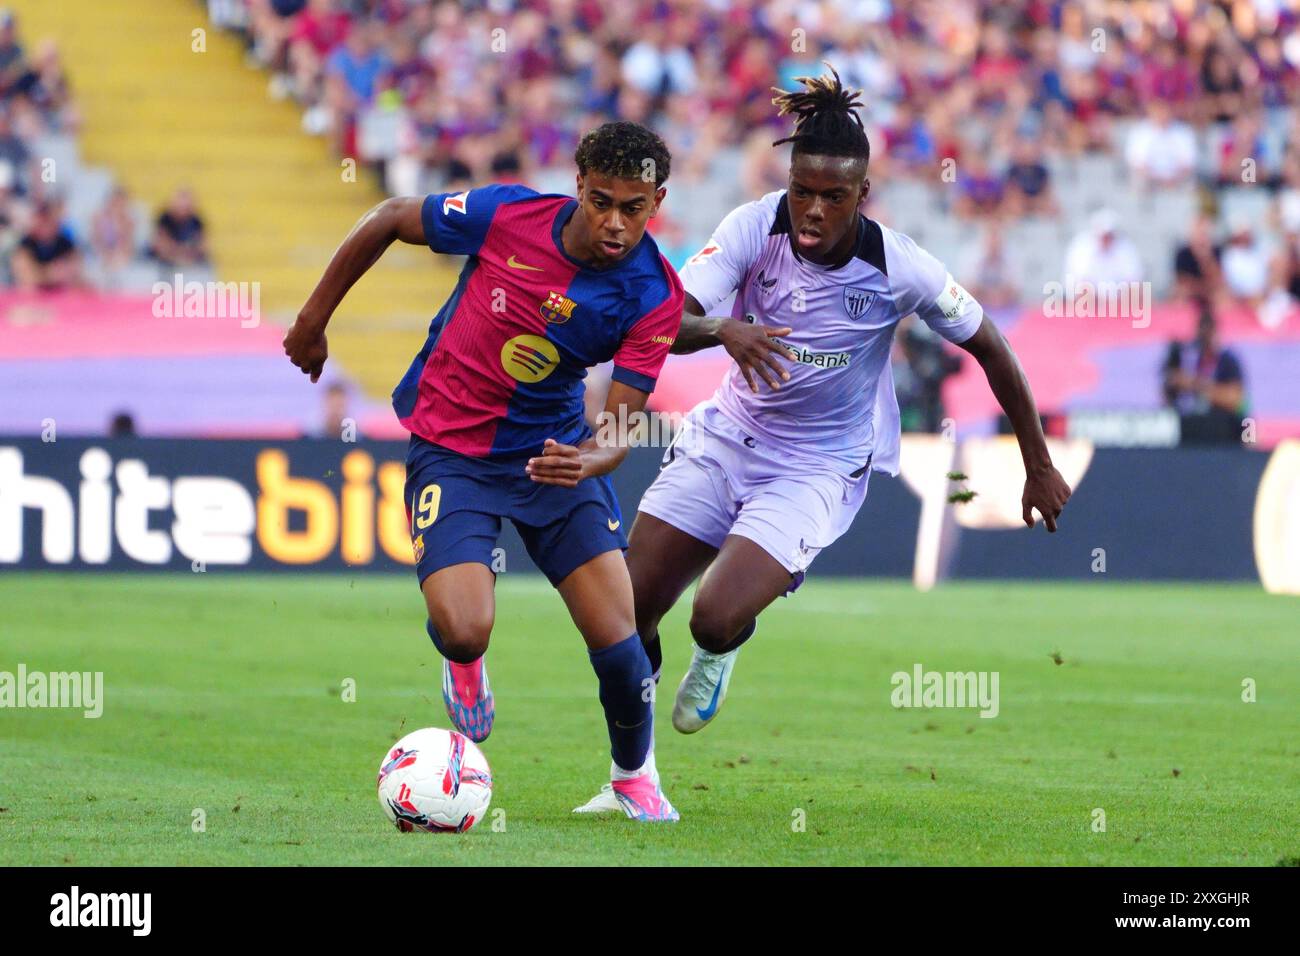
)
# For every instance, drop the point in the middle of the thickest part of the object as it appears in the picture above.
(857, 301)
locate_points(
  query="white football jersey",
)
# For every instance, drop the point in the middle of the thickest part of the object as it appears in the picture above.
(839, 403)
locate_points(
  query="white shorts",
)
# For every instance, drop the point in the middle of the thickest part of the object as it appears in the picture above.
(717, 480)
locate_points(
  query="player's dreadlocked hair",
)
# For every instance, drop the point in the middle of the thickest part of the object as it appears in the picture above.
(624, 150)
(826, 119)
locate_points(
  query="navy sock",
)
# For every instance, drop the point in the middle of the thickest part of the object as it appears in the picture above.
(437, 642)
(626, 694)
(745, 634)
(655, 652)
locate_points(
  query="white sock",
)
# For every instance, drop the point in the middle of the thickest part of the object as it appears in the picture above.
(618, 773)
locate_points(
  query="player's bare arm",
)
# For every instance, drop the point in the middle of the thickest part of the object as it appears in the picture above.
(754, 347)
(566, 465)
(391, 220)
(1045, 489)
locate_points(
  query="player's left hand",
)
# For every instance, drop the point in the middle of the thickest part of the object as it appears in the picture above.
(558, 464)
(1047, 491)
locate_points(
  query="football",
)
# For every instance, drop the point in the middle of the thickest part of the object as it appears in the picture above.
(434, 780)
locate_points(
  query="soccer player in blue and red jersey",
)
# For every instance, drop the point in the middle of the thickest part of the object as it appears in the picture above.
(494, 402)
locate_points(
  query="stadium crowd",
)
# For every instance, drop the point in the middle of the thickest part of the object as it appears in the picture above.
(980, 105)
(445, 94)
(42, 246)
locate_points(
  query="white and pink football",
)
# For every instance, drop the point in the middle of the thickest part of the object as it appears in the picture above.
(435, 780)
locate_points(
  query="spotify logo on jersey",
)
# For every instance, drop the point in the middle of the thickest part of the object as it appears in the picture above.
(529, 358)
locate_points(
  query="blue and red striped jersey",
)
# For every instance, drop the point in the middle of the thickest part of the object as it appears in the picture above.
(503, 365)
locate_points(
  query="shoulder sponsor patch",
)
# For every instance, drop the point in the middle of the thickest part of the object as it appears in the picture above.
(456, 203)
(953, 299)
(711, 249)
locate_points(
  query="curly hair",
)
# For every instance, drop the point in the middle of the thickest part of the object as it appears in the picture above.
(826, 118)
(625, 150)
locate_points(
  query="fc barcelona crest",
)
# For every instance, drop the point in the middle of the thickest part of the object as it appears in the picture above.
(857, 301)
(557, 308)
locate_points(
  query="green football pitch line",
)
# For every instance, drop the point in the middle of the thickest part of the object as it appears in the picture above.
(226, 704)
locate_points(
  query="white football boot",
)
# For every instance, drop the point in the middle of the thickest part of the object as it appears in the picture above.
(703, 689)
(637, 796)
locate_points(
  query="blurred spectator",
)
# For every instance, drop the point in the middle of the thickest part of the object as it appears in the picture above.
(335, 415)
(14, 152)
(316, 32)
(353, 73)
(908, 146)
(1205, 383)
(1029, 185)
(1196, 263)
(990, 272)
(361, 61)
(763, 169)
(1285, 268)
(1161, 151)
(122, 425)
(1100, 255)
(45, 86)
(921, 363)
(14, 215)
(12, 66)
(47, 258)
(658, 66)
(979, 188)
(271, 24)
(1245, 264)
(1241, 153)
(1167, 77)
(179, 239)
(112, 234)
(1224, 95)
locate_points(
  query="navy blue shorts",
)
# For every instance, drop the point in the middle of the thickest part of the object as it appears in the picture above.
(455, 505)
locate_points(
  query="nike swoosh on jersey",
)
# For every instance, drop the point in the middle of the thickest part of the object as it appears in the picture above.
(515, 264)
(613, 525)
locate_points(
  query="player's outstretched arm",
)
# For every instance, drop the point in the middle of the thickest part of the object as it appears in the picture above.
(754, 347)
(566, 465)
(1045, 489)
(392, 219)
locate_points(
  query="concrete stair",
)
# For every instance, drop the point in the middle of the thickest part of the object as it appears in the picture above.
(160, 116)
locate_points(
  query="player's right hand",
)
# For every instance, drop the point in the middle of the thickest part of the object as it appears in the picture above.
(306, 347)
(755, 349)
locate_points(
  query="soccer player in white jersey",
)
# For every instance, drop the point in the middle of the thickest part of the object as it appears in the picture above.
(773, 468)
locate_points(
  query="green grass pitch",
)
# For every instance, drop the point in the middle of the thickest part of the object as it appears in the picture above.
(223, 693)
